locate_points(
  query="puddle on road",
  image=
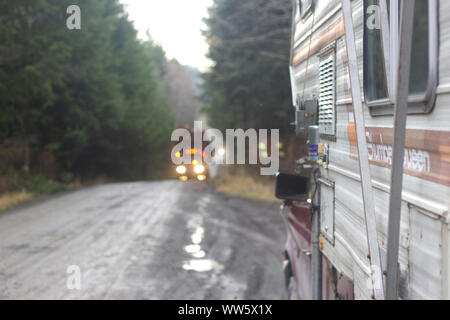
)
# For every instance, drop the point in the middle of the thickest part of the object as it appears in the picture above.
(202, 265)
(195, 250)
(195, 224)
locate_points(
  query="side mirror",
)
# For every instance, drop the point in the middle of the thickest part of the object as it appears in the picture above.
(291, 187)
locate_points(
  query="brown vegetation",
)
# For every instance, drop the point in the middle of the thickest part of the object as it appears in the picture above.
(9, 200)
(245, 183)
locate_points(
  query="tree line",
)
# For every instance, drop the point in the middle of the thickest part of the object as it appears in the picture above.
(100, 102)
(249, 84)
(82, 102)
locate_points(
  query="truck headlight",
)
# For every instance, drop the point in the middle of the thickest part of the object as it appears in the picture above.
(199, 169)
(181, 169)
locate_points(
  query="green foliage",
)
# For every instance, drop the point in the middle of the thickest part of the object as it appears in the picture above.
(89, 96)
(66, 177)
(249, 84)
(39, 184)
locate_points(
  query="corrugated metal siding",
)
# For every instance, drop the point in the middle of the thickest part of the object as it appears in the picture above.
(322, 9)
(349, 254)
(425, 256)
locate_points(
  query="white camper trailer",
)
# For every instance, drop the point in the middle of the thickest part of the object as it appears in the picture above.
(320, 72)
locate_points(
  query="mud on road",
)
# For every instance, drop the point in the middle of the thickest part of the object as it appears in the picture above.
(157, 240)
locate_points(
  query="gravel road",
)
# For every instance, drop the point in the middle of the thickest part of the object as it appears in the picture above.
(147, 240)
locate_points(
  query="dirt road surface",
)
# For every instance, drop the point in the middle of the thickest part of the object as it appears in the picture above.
(155, 240)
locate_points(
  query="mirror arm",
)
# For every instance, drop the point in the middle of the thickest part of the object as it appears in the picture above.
(288, 203)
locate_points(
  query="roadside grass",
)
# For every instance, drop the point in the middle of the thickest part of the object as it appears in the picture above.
(12, 199)
(28, 187)
(244, 184)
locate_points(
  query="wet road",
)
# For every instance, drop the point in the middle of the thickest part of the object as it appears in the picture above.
(158, 240)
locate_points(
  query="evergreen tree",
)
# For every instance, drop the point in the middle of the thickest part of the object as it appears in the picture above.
(89, 97)
(249, 84)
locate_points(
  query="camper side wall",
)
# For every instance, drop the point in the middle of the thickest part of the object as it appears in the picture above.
(424, 250)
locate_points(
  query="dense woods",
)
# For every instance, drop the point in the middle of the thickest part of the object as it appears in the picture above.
(79, 103)
(248, 86)
(99, 102)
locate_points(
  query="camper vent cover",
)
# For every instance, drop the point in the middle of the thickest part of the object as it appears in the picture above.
(327, 112)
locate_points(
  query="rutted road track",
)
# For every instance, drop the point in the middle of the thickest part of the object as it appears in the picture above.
(158, 240)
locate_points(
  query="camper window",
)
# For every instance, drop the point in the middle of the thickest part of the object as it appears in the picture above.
(305, 7)
(375, 84)
(423, 77)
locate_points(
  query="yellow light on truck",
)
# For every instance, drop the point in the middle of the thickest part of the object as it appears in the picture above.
(201, 177)
(181, 169)
(199, 169)
(183, 178)
(177, 155)
(194, 162)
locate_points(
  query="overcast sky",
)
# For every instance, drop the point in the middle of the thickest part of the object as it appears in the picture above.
(174, 24)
